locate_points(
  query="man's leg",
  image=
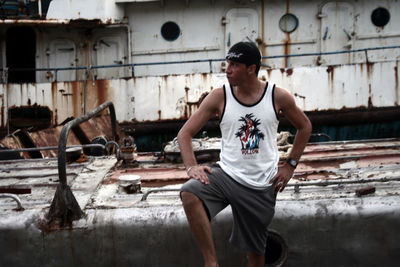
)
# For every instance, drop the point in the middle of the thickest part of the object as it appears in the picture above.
(255, 260)
(201, 227)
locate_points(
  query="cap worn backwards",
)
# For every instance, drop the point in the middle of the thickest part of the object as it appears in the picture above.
(244, 52)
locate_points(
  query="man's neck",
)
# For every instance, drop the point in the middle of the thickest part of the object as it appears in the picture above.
(250, 87)
(250, 92)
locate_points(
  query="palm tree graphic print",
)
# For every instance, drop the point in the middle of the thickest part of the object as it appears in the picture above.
(249, 134)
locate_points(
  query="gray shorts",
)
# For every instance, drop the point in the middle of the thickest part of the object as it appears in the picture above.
(252, 209)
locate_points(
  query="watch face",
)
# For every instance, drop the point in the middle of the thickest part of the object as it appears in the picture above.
(292, 162)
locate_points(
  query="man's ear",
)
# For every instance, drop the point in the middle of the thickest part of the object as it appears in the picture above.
(251, 68)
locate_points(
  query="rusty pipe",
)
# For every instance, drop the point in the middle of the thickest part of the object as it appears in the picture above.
(15, 197)
(71, 124)
(144, 197)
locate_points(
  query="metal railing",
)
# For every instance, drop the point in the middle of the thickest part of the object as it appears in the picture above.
(132, 66)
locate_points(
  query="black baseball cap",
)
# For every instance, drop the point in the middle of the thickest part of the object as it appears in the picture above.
(245, 52)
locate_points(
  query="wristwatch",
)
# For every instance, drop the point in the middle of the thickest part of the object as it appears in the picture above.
(292, 162)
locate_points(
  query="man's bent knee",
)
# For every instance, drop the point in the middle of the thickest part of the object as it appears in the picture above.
(189, 199)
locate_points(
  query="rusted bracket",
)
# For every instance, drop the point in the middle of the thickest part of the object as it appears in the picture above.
(64, 206)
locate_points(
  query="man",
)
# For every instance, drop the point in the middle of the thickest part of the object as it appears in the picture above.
(247, 176)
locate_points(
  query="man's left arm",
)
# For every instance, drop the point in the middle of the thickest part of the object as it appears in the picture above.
(287, 106)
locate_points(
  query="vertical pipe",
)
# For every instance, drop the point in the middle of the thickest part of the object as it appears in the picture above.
(85, 88)
(40, 7)
(287, 41)
(62, 144)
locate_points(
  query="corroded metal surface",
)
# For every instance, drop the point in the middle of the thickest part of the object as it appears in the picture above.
(85, 133)
(152, 99)
(112, 51)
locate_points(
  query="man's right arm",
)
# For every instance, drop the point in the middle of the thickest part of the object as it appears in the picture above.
(210, 107)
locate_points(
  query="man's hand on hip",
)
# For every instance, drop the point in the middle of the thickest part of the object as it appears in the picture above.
(199, 172)
(282, 177)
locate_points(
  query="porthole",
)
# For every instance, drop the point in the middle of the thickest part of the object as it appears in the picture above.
(380, 16)
(170, 31)
(288, 23)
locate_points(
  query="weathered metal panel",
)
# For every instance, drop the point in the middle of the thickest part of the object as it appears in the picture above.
(338, 87)
(241, 25)
(174, 97)
(337, 31)
(62, 54)
(303, 40)
(104, 10)
(197, 39)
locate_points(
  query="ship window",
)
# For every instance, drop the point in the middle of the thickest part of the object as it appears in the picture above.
(170, 31)
(380, 17)
(288, 23)
(20, 54)
(34, 116)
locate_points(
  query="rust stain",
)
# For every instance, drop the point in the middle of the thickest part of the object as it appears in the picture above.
(102, 88)
(369, 96)
(187, 107)
(331, 71)
(205, 77)
(187, 93)
(318, 61)
(55, 102)
(286, 49)
(287, 40)
(331, 76)
(159, 114)
(75, 99)
(369, 68)
(289, 72)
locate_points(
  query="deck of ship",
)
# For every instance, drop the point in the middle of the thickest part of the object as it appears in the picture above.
(344, 198)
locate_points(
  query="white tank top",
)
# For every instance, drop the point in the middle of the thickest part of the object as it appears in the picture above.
(249, 152)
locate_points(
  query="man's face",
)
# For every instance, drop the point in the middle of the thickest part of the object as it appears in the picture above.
(236, 72)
